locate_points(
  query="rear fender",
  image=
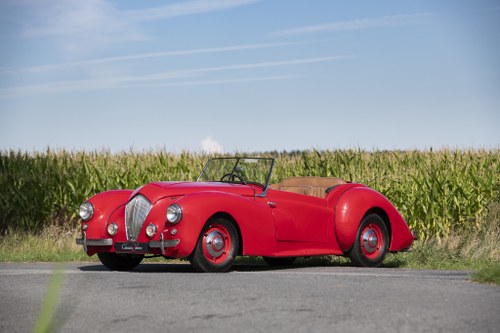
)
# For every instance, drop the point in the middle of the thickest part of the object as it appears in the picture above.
(354, 204)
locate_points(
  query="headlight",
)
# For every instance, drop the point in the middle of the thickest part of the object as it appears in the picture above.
(174, 213)
(151, 230)
(86, 211)
(112, 229)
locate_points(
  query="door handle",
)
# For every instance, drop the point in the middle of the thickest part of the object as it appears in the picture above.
(272, 204)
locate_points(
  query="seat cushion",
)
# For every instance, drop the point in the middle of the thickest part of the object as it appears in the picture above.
(314, 186)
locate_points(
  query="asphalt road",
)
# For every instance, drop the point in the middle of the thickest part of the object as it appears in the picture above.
(172, 298)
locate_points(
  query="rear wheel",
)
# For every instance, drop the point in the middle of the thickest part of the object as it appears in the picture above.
(120, 262)
(216, 248)
(279, 262)
(371, 243)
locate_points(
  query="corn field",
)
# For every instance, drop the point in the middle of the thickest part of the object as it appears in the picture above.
(437, 192)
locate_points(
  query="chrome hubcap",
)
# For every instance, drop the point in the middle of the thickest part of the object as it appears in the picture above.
(215, 244)
(370, 241)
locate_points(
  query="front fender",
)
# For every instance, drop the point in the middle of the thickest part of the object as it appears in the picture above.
(104, 204)
(353, 205)
(253, 219)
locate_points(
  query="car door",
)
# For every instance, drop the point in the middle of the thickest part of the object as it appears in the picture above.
(299, 218)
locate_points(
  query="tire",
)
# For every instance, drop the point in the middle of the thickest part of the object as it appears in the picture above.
(216, 248)
(371, 243)
(279, 262)
(120, 262)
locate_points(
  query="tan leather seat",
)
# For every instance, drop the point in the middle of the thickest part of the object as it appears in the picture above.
(314, 186)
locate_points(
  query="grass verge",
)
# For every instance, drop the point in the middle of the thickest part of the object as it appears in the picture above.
(489, 274)
(54, 244)
(477, 251)
(431, 254)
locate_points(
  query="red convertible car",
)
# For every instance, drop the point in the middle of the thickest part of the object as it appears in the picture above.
(232, 209)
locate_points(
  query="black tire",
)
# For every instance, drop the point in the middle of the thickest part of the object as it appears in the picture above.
(120, 262)
(371, 243)
(216, 248)
(279, 262)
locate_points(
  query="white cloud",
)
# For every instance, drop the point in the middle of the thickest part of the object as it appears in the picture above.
(239, 80)
(210, 146)
(223, 49)
(89, 84)
(359, 24)
(139, 80)
(185, 8)
(82, 26)
(272, 64)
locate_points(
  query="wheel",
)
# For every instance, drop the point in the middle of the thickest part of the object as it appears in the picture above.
(372, 242)
(216, 248)
(279, 262)
(120, 262)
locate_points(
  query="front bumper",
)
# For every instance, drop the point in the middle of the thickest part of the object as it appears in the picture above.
(162, 244)
(93, 242)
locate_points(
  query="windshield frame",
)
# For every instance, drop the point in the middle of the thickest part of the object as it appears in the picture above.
(237, 160)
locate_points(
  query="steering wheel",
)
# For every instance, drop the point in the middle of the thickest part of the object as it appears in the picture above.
(232, 176)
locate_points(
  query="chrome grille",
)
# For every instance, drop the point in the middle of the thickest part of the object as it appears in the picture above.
(135, 214)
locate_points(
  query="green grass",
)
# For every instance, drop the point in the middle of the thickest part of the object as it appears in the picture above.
(45, 321)
(488, 274)
(53, 244)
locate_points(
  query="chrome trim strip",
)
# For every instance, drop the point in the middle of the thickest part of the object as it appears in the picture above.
(268, 181)
(85, 241)
(203, 171)
(162, 244)
(93, 242)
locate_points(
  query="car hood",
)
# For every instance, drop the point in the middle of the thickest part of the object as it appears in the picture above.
(158, 190)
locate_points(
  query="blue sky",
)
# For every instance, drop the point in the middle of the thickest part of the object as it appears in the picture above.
(249, 75)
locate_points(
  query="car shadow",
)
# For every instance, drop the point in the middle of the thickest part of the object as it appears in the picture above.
(182, 268)
(244, 265)
(143, 268)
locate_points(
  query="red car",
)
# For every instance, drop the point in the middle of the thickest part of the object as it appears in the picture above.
(232, 209)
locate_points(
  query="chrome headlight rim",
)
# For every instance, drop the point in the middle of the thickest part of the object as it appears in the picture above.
(86, 211)
(112, 229)
(151, 230)
(174, 213)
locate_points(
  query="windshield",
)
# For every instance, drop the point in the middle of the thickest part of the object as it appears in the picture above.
(244, 170)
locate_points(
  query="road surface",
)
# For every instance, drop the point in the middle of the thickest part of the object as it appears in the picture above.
(251, 298)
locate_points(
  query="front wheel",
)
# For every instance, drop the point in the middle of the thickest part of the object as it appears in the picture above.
(371, 243)
(216, 248)
(120, 262)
